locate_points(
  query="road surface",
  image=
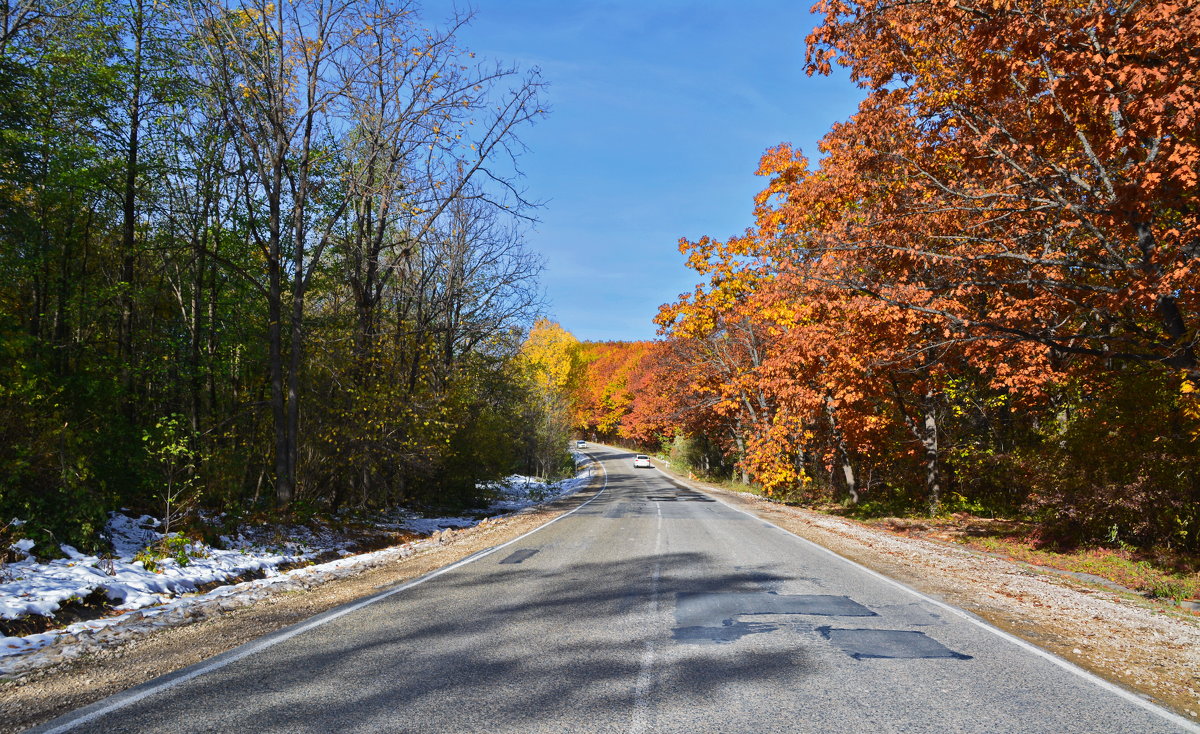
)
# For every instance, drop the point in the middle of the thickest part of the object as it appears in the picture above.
(651, 608)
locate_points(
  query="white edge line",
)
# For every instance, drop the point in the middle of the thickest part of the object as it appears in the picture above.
(263, 644)
(1067, 665)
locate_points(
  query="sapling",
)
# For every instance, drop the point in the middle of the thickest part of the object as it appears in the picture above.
(170, 448)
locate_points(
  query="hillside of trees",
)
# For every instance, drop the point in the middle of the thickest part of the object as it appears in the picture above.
(258, 257)
(981, 297)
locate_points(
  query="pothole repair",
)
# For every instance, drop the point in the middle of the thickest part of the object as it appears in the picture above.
(711, 617)
(861, 644)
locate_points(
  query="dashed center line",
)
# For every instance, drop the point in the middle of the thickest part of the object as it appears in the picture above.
(645, 679)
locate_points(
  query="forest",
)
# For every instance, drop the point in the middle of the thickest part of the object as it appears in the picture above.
(981, 297)
(265, 257)
(260, 257)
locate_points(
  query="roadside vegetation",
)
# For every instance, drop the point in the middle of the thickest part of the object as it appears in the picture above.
(262, 259)
(256, 261)
(979, 301)
(1157, 573)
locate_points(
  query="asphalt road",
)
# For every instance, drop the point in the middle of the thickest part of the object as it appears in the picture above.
(652, 608)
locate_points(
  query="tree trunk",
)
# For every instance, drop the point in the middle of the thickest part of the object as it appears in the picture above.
(129, 221)
(296, 348)
(198, 307)
(839, 443)
(925, 431)
(933, 487)
(740, 442)
(284, 479)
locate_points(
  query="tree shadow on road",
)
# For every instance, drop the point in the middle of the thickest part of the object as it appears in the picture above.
(506, 661)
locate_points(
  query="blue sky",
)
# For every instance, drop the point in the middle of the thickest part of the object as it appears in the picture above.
(660, 110)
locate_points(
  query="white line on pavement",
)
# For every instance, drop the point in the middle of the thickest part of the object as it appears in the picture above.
(645, 678)
(270, 641)
(1029, 647)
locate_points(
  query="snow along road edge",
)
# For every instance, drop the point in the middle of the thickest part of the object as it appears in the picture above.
(119, 701)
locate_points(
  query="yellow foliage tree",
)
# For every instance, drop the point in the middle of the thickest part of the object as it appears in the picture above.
(554, 365)
(554, 356)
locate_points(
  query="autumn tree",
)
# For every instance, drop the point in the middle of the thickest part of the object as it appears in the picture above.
(433, 130)
(356, 129)
(1034, 170)
(553, 367)
(988, 255)
(604, 395)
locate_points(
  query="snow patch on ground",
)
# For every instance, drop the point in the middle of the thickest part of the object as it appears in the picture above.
(32, 587)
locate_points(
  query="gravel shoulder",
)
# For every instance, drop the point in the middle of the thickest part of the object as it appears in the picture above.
(1143, 646)
(45, 694)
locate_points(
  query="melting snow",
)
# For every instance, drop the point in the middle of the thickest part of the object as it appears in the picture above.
(31, 587)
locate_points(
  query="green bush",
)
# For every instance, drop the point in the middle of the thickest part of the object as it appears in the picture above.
(1122, 470)
(46, 474)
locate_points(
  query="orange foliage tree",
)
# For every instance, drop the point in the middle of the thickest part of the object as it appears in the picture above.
(1023, 176)
(1002, 238)
(604, 396)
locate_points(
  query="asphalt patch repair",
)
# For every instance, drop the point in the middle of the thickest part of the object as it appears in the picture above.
(681, 492)
(679, 497)
(706, 618)
(867, 643)
(705, 608)
(711, 617)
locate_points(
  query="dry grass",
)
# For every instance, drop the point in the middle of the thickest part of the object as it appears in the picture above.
(1159, 573)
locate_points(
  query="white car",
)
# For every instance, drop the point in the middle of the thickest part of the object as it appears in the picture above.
(581, 444)
(642, 461)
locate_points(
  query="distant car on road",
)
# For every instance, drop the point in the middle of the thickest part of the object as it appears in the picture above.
(642, 461)
(581, 444)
